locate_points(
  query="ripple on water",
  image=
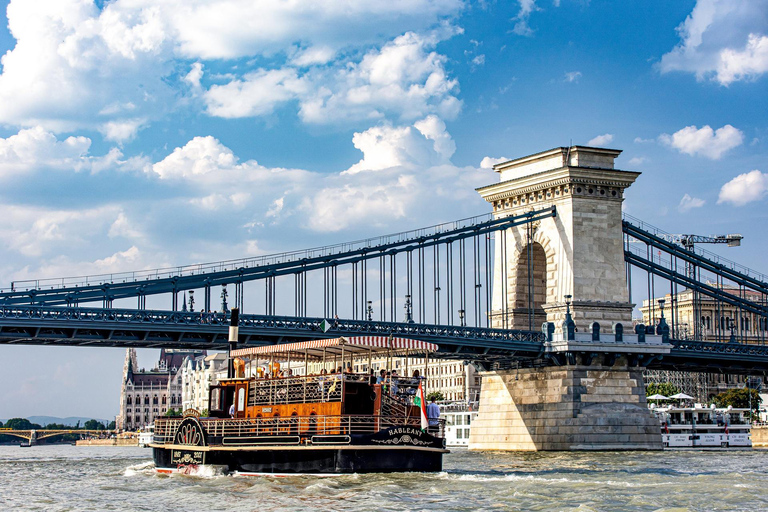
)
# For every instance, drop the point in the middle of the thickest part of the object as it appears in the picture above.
(106, 478)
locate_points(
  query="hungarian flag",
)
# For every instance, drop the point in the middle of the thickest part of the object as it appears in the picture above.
(419, 402)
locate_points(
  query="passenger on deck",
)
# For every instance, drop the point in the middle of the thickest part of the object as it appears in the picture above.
(382, 377)
(433, 416)
(393, 389)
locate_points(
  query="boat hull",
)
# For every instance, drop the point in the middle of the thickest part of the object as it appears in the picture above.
(395, 449)
(334, 460)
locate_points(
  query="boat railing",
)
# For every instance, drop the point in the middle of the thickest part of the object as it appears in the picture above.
(293, 390)
(319, 388)
(290, 429)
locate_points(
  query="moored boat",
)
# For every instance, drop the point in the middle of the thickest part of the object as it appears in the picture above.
(330, 422)
(458, 417)
(704, 427)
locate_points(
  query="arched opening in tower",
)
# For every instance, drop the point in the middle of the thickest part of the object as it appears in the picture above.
(530, 290)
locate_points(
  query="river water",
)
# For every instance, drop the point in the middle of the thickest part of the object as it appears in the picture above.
(69, 478)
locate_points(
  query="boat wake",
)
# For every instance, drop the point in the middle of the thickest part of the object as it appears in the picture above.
(145, 468)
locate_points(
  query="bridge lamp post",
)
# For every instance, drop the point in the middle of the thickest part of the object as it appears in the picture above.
(408, 310)
(369, 311)
(461, 317)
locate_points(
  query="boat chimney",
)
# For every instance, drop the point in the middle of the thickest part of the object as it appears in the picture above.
(234, 332)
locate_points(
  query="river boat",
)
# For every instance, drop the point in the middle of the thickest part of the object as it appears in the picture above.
(704, 427)
(458, 417)
(326, 423)
(145, 436)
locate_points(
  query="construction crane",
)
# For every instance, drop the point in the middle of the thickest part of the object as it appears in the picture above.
(688, 242)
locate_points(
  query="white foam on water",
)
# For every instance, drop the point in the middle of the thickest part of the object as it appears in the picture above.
(144, 468)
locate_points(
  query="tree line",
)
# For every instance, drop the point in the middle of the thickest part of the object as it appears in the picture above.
(25, 424)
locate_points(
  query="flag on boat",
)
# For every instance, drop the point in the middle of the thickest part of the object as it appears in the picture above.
(422, 405)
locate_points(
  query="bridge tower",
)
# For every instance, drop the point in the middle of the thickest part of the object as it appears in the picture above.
(578, 253)
(566, 274)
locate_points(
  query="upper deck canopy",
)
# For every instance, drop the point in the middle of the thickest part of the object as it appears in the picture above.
(356, 345)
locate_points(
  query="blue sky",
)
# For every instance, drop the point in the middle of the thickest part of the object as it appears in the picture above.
(138, 134)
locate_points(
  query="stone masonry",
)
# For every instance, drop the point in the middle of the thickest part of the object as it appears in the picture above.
(565, 408)
(579, 252)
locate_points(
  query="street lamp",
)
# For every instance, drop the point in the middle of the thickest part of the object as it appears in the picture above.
(370, 311)
(461, 317)
(408, 310)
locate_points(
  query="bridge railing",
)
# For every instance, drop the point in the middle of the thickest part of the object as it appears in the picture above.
(726, 263)
(250, 262)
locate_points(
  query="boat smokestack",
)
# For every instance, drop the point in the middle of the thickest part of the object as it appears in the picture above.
(234, 333)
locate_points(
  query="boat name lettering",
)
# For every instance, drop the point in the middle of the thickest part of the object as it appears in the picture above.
(404, 430)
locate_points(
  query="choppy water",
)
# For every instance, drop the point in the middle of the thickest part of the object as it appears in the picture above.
(69, 478)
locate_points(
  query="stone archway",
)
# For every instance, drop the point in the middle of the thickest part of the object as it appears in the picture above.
(512, 301)
(529, 293)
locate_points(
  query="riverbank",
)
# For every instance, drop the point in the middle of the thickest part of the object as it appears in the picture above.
(107, 442)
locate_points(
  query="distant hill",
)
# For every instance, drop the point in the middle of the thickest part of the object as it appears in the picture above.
(70, 421)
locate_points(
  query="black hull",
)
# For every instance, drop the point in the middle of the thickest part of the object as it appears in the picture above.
(331, 460)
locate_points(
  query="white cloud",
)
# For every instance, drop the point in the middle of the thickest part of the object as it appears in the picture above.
(479, 60)
(724, 40)
(36, 231)
(121, 130)
(488, 162)
(78, 66)
(404, 78)
(638, 160)
(424, 144)
(312, 56)
(72, 63)
(521, 27)
(211, 202)
(572, 76)
(744, 188)
(123, 227)
(400, 167)
(35, 149)
(258, 93)
(704, 141)
(601, 140)
(195, 75)
(640, 140)
(688, 203)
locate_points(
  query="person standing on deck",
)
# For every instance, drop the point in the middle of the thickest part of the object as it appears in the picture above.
(433, 415)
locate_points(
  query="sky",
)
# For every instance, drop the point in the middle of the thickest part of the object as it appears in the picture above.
(138, 134)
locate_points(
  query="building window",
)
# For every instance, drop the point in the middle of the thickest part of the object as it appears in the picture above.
(154, 400)
(164, 400)
(146, 400)
(130, 402)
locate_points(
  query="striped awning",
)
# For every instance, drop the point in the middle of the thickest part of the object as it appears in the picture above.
(316, 349)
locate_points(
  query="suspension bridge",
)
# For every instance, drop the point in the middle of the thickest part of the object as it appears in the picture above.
(549, 279)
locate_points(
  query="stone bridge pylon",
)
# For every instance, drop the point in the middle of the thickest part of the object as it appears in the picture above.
(587, 390)
(579, 252)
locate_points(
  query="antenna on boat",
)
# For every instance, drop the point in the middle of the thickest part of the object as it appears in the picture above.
(234, 333)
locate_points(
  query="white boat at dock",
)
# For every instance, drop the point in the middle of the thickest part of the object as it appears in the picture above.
(703, 427)
(458, 418)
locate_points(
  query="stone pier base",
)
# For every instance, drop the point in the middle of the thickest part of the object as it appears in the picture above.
(565, 408)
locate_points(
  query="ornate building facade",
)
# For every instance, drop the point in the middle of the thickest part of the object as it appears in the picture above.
(715, 320)
(146, 395)
(196, 376)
